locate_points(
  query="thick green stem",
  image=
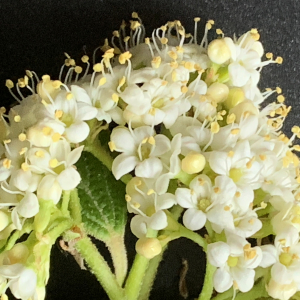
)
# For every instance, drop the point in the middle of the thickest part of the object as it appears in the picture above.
(208, 285)
(75, 207)
(65, 203)
(118, 253)
(60, 229)
(136, 276)
(99, 152)
(99, 267)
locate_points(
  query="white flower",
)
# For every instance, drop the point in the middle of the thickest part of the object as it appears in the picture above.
(141, 150)
(148, 204)
(236, 261)
(281, 291)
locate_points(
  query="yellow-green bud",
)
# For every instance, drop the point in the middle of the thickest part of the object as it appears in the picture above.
(218, 92)
(245, 107)
(18, 254)
(218, 51)
(236, 96)
(193, 163)
(148, 247)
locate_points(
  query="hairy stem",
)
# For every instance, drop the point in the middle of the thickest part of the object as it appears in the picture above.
(208, 285)
(100, 268)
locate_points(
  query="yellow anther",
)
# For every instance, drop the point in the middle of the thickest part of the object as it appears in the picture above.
(263, 204)
(124, 57)
(134, 15)
(108, 53)
(9, 84)
(230, 153)
(17, 118)
(219, 31)
(198, 68)
(144, 141)
(164, 40)
(39, 153)
(127, 198)
(122, 81)
(156, 61)
(250, 163)
(115, 97)
(84, 58)
(57, 84)
(53, 163)
(97, 67)
(197, 19)
(78, 69)
(267, 137)
(269, 55)
(7, 141)
(147, 41)
(212, 22)
(227, 208)
(58, 114)
(296, 148)
(136, 205)
(102, 81)
(56, 137)
(6, 163)
(151, 140)
(47, 130)
(134, 25)
(164, 28)
(278, 90)
(29, 73)
(249, 254)
(174, 64)
(164, 83)
(44, 103)
(152, 111)
(262, 157)
(280, 98)
(235, 131)
(116, 33)
(112, 146)
(21, 82)
(150, 192)
(184, 89)
(2, 110)
(22, 137)
(25, 167)
(23, 150)
(69, 96)
(179, 49)
(188, 65)
(279, 60)
(296, 129)
(230, 118)
(72, 62)
(214, 127)
(237, 194)
(251, 221)
(208, 26)
(217, 190)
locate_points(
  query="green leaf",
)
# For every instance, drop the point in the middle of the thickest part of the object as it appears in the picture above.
(101, 196)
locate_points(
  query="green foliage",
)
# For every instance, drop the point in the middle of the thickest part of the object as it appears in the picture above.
(102, 200)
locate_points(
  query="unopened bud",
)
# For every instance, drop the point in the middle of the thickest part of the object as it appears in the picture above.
(193, 163)
(236, 95)
(18, 254)
(246, 106)
(218, 51)
(148, 247)
(218, 92)
(281, 291)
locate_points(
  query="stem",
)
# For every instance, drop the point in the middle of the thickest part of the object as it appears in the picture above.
(136, 276)
(118, 253)
(60, 229)
(198, 239)
(100, 268)
(224, 296)
(27, 228)
(258, 291)
(65, 203)
(99, 152)
(75, 207)
(208, 285)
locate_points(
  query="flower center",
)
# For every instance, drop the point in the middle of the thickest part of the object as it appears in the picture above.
(67, 119)
(235, 174)
(158, 103)
(203, 204)
(286, 259)
(232, 261)
(145, 150)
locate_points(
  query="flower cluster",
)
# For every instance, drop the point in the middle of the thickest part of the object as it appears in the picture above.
(188, 126)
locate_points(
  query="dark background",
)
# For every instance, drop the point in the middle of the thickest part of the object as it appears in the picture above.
(34, 34)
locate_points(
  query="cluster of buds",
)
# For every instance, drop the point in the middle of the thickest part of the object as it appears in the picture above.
(180, 112)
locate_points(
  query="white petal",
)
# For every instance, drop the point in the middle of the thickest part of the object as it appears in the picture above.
(80, 94)
(244, 278)
(49, 189)
(86, 112)
(74, 156)
(185, 198)
(123, 140)
(222, 280)
(165, 201)
(218, 253)
(28, 206)
(281, 274)
(68, 179)
(149, 168)
(138, 226)
(162, 145)
(11, 271)
(77, 132)
(220, 162)
(117, 115)
(158, 221)
(269, 256)
(123, 164)
(238, 74)
(16, 219)
(27, 283)
(194, 219)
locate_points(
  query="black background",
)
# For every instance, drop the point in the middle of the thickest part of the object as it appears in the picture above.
(34, 34)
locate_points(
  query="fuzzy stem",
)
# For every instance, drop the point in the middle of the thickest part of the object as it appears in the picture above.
(136, 276)
(208, 285)
(65, 203)
(100, 268)
(75, 207)
(195, 237)
(117, 249)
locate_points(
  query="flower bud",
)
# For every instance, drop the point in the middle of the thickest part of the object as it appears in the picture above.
(236, 95)
(148, 247)
(218, 51)
(281, 291)
(4, 220)
(242, 108)
(18, 254)
(218, 92)
(193, 163)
